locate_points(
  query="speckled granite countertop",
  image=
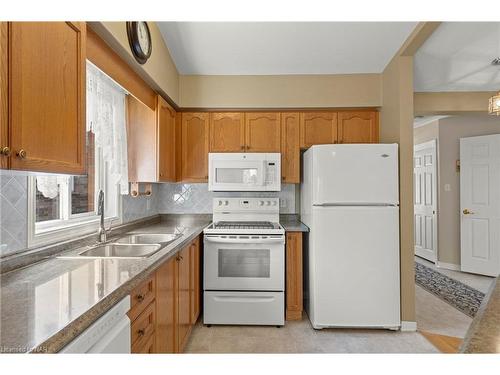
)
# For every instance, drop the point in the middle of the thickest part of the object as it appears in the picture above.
(483, 335)
(45, 305)
(291, 223)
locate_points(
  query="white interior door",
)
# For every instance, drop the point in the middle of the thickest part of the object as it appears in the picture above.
(425, 202)
(480, 204)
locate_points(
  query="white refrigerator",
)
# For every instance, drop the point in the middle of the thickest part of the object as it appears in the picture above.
(350, 202)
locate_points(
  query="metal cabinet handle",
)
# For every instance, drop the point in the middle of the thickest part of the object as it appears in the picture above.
(21, 154)
(5, 151)
(140, 297)
(141, 332)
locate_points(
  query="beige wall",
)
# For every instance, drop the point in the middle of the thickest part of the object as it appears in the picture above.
(448, 103)
(426, 133)
(159, 71)
(286, 91)
(451, 129)
(396, 125)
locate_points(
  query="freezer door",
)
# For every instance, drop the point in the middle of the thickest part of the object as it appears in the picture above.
(353, 267)
(355, 174)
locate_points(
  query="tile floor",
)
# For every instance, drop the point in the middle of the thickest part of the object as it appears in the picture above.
(300, 337)
(433, 315)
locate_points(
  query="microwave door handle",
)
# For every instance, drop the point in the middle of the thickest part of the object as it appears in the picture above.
(262, 174)
(245, 240)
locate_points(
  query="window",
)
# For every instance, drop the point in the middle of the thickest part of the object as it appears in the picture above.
(61, 206)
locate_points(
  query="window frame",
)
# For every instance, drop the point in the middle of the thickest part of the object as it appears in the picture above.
(71, 225)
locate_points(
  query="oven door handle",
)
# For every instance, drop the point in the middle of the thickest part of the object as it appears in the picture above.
(245, 240)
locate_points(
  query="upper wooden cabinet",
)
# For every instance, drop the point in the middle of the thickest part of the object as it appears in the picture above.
(227, 132)
(290, 148)
(46, 82)
(318, 128)
(4, 77)
(358, 127)
(151, 141)
(195, 147)
(262, 132)
(166, 141)
(141, 142)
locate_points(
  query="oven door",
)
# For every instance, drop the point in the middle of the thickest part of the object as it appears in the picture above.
(244, 262)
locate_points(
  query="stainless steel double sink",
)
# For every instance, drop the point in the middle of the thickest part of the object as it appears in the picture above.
(136, 245)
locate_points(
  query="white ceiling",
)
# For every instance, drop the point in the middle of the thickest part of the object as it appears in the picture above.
(269, 48)
(457, 57)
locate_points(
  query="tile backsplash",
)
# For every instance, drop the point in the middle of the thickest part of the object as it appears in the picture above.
(196, 199)
(13, 211)
(167, 198)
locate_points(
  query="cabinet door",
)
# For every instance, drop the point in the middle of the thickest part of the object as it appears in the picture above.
(166, 141)
(318, 128)
(262, 132)
(141, 141)
(290, 148)
(358, 127)
(195, 280)
(195, 133)
(183, 297)
(47, 96)
(227, 132)
(4, 136)
(294, 276)
(165, 307)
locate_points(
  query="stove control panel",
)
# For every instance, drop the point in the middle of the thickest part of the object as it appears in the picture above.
(246, 204)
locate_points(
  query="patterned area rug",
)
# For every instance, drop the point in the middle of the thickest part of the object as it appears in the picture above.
(460, 296)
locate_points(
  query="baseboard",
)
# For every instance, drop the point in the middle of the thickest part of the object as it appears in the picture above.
(448, 266)
(407, 326)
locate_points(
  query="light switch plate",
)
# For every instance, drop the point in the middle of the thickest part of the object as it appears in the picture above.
(447, 187)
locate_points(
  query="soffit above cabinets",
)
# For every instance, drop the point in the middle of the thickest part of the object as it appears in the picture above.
(457, 57)
(281, 48)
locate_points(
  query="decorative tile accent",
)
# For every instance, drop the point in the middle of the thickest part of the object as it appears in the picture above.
(13, 211)
(196, 199)
(460, 296)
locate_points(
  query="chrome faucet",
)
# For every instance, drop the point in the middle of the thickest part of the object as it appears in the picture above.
(100, 211)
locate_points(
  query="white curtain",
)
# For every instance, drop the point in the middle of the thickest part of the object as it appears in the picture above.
(106, 119)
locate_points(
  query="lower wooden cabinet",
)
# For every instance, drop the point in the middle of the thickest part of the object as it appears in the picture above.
(165, 307)
(183, 326)
(195, 285)
(294, 294)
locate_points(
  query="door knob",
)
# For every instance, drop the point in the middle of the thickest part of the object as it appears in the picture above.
(21, 154)
(467, 212)
(5, 151)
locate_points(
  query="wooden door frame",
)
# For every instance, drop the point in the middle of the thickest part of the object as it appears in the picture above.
(433, 143)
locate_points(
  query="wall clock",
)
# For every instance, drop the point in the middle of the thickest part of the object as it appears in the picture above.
(139, 39)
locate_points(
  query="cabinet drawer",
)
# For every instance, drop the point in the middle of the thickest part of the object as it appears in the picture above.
(144, 326)
(147, 346)
(141, 297)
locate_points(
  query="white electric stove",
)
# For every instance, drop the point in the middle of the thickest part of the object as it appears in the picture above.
(244, 263)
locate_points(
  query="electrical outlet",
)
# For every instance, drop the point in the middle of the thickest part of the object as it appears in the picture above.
(282, 203)
(148, 204)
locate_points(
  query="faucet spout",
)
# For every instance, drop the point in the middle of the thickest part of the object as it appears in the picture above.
(100, 211)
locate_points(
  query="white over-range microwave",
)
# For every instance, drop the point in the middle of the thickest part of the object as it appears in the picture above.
(244, 171)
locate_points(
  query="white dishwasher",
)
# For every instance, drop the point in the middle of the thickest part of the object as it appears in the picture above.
(109, 334)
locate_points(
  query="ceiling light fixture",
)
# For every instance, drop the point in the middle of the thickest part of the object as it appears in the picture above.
(494, 104)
